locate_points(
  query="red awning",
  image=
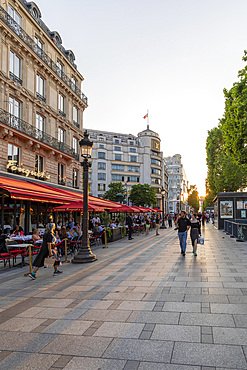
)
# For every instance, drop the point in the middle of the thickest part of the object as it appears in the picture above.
(125, 208)
(27, 190)
(78, 207)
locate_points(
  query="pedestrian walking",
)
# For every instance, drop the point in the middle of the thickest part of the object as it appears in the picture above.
(170, 220)
(195, 232)
(47, 249)
(157, 223)
(147, 222)
(183, 225)
(129, 222)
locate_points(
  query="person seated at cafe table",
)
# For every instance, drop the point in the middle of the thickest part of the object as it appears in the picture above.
(18, 231)
(35, 235)
(75, 232)
(69, 233)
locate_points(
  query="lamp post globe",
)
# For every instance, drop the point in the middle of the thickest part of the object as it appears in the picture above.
(85, 254)
(163, 208)
(119, 197)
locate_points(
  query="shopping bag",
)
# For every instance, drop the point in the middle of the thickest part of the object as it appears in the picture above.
(49, 262)
(201, 240)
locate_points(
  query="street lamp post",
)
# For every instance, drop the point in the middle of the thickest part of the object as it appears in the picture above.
(120, 197)
(163, 208)
(85, 254)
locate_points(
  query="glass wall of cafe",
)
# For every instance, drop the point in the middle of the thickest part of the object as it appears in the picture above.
(27, 214)
(230, 206)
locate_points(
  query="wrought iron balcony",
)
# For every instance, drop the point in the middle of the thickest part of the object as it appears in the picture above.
(26, 128)
(15, 78)
(41, 97)
(62, 113)
(7, 19)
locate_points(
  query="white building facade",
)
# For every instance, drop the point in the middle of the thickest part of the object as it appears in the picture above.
(128, 159)
(178, 184)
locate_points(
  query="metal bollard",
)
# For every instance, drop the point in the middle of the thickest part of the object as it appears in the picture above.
(65, 251)
(105, 240)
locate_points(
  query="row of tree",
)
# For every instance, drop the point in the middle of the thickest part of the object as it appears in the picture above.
(226, 144)
(144, 195)
(140, 195)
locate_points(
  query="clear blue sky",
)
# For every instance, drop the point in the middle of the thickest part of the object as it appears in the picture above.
(171, 57)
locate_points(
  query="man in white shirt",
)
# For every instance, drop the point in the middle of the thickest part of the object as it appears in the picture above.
(96, 219)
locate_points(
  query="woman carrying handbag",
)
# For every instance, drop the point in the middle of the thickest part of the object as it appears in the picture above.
(195, 231)
(47, 250)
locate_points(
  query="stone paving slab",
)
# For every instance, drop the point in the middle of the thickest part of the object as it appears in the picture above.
(209, 355)
(206, 319)
(25, 361)
(141, 350)
(75, 345)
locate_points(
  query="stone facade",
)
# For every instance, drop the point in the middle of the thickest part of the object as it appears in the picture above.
(41, 103)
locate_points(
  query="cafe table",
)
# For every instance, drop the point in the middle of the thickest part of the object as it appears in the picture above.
(21, 247)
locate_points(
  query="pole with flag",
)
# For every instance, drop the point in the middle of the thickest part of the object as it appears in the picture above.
(147, 116)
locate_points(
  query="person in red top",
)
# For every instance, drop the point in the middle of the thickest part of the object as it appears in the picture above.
(18, 231)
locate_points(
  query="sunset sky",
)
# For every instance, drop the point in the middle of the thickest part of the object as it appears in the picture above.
(171, 57)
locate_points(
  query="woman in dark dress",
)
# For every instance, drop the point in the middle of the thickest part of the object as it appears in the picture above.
(195, 231)
(47, 250)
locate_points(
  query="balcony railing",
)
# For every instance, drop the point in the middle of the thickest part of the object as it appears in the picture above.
(26, 128)
(15, 78)
(41, 97)
(62, 113)
(6, 18)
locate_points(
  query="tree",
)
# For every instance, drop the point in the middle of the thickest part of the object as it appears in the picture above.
(234, 122)
(143, 195)
(227, 144)
(193, 198)
(224, 172)
(114, 189)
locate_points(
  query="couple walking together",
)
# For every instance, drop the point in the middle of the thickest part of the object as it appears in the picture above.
(184, 224)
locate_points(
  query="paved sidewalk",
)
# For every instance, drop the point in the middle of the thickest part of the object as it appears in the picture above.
(140, 306)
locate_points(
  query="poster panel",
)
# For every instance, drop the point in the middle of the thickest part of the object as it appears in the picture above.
(226, 209)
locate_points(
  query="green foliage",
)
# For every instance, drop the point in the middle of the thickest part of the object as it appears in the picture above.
(123, 231)
(234, 122)
(227, 144)
(115, 188)
(105, 218)
(143, 195)
(208, 202)
(193, 198)
(122, 218)
(224, 172)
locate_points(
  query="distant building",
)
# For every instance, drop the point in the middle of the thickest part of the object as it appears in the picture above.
(178, 184)
(128, 159)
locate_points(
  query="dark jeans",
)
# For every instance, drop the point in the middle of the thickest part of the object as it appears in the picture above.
(129, 232)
